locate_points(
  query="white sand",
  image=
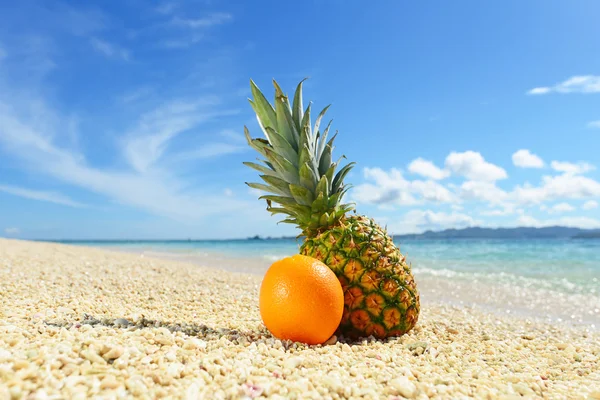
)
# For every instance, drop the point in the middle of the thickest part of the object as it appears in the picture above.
(78, 322)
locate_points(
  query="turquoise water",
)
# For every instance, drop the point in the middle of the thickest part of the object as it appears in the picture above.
(559, 265)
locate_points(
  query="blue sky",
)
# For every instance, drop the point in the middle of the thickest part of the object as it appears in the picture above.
(125, 119)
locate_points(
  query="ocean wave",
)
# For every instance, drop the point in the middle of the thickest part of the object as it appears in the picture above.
(562, 284)
(272, 257)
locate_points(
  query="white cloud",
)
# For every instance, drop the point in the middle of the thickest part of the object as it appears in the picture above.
(575, 84)
(525, 159)
(473, 166)
(391, 188)
(563, 186)
(110, 50)
(573, 222)
(484, 191)
(590, 205)
(416, 221)
(509, 209)
(594, 124)
(228, 192)
(427, 169)
(561, 208)
(528, 221)
(12, 231)
(571, 168)
(50, 197)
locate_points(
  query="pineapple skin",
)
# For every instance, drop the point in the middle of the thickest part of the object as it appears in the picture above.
(380, 294)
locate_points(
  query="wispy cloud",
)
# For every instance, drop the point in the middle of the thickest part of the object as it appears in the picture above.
(146, 143)
(50, 17)
(134, 95)
(204, 22)
(167, 7)
(51, 197)
(191, 31)
(594, 124)
(12, 231)
(37, 54)
(150, 187)
(182, 42)
(110, 50)
(575, 84)
(210, 150)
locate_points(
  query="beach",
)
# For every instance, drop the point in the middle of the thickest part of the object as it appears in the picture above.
(80, 322)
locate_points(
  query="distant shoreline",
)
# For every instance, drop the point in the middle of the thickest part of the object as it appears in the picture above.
(551, 232)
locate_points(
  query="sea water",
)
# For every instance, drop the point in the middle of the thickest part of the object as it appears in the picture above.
(569, 266)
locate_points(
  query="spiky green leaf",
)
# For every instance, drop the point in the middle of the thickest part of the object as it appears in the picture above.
(319, 118)
(285, 120)
(262, 187)
(292, 221)
(279, 210)
(282, 146)
(277, 183)
(323, 187)
(324, 219)
(256, 144)
(325, 161)
(260, 168)
(329, 174)
(308, 178)
(302, 195)
(339, 177)
(285, 168)
(283, 200)
(298, 110)
(305, 129)
(323, 141)
(261, 106)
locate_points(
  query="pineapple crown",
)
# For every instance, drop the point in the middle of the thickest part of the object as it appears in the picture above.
(297, 169)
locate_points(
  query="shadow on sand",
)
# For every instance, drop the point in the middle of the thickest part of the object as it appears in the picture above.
(195, 330)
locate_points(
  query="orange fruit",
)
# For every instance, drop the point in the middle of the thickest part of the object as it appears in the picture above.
(301, 299)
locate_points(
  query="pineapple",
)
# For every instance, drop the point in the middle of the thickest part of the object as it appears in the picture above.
(380, 294)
